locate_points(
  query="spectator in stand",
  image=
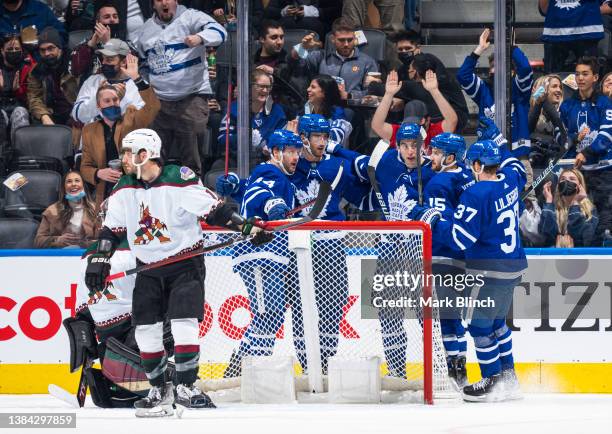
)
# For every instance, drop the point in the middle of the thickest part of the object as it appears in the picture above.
(102, 138)
(413, 64)
(391, 13)
(132, 16)
(587, 116)
(16, 15)
(346, 61)
(69, 222)
(545, 102)
(79, 15)
(569, 219)
(118, 66)
(315, 15)
(224, 11)
(108, 25)
(289, 89)
(266, 117)
(15, 66)
(324, 99)
(52, 90)
(569, 27)
(482, 94)
(606, 85)
(415, 111)
(217, 106)
(179, 75)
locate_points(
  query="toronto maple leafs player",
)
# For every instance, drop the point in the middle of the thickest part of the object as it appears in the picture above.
(269, 195)
(442, 193)
(485, 227)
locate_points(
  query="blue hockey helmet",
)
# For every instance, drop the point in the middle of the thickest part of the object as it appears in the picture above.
(450, 143)
(485, 151)
(313, 123)
(282, 139)
(407, 131)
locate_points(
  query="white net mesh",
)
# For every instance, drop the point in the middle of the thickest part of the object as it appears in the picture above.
(255, 295)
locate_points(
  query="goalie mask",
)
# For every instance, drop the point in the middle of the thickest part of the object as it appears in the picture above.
(142, 139)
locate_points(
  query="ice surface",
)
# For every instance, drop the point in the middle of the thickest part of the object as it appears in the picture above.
(537, 413)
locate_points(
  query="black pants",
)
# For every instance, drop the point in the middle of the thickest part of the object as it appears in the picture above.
(556, 54)
(599, 186)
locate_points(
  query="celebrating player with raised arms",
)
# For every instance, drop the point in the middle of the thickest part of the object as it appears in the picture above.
(157, 209)
(442, 193)
(485, 227)
(269, 194)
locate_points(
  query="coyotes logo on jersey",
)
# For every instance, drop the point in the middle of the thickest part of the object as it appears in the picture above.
(150, 228)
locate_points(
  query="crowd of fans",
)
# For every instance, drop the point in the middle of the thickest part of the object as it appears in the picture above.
(153, 64)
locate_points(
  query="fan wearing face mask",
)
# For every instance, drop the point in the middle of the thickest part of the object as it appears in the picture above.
(114, 56)
(52, 89)
(569, 218)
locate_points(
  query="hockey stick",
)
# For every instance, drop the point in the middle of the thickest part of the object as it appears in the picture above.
(380, 148)
(569, 145)
(419, 143)
(77, 401)
(325, 190)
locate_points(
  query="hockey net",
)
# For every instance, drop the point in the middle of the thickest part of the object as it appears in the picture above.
(300, 296)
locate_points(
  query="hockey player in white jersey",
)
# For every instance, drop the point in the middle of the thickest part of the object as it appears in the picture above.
(485, 227)
(442, 193)
(157, 208)
(269, 195)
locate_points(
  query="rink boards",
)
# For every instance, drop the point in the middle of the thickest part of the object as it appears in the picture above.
(554, 354)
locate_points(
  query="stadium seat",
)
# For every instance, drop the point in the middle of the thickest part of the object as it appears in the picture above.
(42, 189)
(452, 56)
(77, 37)
(17, 233)
(42, 147)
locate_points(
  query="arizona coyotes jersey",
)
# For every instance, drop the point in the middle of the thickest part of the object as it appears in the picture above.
(114, 304)
(160, 219)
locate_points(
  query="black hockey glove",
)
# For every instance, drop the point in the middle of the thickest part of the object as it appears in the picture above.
(260, 236)
(98, 269)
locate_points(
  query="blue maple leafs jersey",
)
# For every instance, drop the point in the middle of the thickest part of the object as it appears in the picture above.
(596, 114)
(307, 180)
(267, 186)
(485, 225)
(442, 193)
(480, 93)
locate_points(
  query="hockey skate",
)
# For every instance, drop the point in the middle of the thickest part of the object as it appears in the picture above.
(158, 403)
(512, 388)
(489, 389)
(458, 372)
(191, 397)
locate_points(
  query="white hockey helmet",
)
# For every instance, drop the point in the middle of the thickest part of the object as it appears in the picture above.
(140, 139)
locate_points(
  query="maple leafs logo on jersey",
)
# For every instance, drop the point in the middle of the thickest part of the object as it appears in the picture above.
(312, 191)
(160, 59)
(150, 228)
(399, 204)
(567, 4)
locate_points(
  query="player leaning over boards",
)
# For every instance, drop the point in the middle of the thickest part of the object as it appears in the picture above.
(158, 208)
(485, 226)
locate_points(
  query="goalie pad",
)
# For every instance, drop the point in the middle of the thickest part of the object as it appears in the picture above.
(105, 394)
(82, 340)
(121, 367)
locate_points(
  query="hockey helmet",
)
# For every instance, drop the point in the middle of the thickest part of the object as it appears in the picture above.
(484, 151)
(450, 143)
(313, 123)
(140, 139)
(282, 139)
(407, 131)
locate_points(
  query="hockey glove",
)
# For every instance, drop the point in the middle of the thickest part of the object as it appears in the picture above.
(98, 269)
(278, 209)
(227, 186)
(260, 236)
(425, 214)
